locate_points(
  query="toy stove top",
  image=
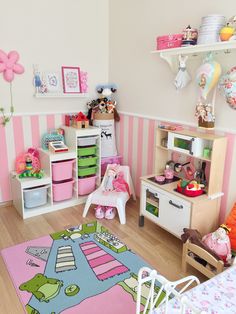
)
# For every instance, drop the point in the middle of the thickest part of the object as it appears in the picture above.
(166, 181)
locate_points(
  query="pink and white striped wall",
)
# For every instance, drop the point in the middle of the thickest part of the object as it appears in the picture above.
(16, 137)
(135, 142)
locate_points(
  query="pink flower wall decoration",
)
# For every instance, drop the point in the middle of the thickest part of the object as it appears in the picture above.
(9, 65)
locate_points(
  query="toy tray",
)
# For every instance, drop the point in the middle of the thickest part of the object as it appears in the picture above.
(189, 193)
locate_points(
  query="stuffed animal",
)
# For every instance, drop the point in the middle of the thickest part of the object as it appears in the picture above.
(218, 241)
(108, 181)
(28, 164)
(104, 104)
(195, 237)
(106, 91)
(119, 183)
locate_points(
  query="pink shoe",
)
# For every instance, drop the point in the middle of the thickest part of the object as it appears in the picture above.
(99, 212)
(110, 212)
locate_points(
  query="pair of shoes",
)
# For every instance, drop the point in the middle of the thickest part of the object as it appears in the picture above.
(104, 212)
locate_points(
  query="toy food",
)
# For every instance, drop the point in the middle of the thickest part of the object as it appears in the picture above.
(226, 32)
(190, 188)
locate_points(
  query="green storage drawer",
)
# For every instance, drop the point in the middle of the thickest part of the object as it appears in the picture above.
(86, 151)
(86, 171)
(87, 161)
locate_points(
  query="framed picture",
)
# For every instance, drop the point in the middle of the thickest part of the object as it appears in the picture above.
(71, 80)
(52, 81)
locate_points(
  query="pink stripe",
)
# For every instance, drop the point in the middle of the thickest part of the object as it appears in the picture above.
(227, 173)
(4, 172)
(101, 260)
(106, 267)
(35, 131)
(89, 246)
(139, 154)
(86, 243)
(130, 141)
(122, 132)
(50, 122)
(18, 135)
(95, 249)
(63, 119)
(151, 136)
(95, 255)
(117, 271)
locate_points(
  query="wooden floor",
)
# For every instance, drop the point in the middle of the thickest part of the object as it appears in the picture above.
(157, 247)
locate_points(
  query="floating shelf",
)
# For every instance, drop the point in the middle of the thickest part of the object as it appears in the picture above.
(171, 55)
(61, 95)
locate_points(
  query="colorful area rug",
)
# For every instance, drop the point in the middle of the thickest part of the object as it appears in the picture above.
(84, 269)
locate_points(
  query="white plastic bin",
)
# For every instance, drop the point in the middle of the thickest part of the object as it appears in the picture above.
(86, 141)
(34, 197)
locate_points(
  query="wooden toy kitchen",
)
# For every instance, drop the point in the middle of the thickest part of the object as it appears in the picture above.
(184, 160)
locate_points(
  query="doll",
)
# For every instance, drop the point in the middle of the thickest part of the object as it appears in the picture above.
(218, 241)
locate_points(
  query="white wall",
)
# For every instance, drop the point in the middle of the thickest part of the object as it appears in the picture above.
(51, 34)
(145, 81)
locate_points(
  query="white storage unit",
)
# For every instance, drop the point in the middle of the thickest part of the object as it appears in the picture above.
(32, 196)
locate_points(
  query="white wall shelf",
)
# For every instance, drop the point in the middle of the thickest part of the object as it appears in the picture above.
(198, 51)
(61, 95)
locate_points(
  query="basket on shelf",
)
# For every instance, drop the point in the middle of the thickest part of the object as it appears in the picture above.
(169, 41)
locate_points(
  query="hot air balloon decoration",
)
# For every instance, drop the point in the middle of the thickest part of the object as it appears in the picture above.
(227, 86)
(207, 77)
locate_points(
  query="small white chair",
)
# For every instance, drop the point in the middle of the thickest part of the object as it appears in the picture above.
(113, 198)
(149, 278)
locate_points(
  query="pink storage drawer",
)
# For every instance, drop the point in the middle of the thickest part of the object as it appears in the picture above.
(169, 41)
(62, 191)
(86, 185)
(109, 160)
(62, 170)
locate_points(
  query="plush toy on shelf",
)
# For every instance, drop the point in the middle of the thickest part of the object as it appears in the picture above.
(218, 241)
(28, 164)
(103, 104)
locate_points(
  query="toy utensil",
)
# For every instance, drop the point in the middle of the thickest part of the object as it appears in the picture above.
(178, 167)
(198, 173)
(203, 175)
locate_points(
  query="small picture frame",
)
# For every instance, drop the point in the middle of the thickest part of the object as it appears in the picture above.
(52, 81)
(71, 80)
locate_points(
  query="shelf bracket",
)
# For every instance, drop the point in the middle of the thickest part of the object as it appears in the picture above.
(172, 61)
